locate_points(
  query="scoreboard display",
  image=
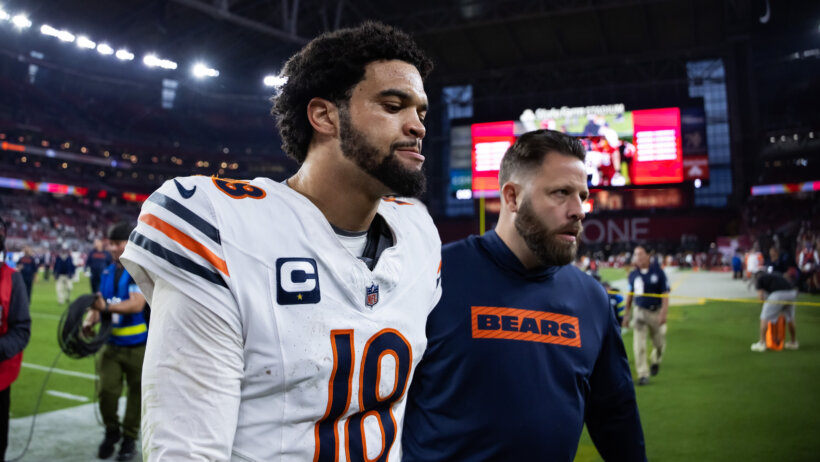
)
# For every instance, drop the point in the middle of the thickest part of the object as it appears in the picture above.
(490, 142)
(624, 148)
(658, 157)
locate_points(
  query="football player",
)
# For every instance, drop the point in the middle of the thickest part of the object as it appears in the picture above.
(287, 318)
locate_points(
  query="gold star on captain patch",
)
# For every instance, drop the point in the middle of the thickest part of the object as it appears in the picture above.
(299, 296)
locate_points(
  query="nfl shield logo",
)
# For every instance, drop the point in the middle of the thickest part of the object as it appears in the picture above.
(372, 295)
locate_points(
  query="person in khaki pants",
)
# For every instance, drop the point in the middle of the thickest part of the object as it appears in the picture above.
(64, 274)
(120, 360)
(650, 312)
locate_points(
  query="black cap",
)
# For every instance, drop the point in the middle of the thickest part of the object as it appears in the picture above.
(120, 232)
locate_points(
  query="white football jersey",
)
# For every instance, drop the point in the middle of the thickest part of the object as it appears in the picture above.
(329, 346)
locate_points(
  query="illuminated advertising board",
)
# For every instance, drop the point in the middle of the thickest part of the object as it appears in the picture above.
(658, 157)
(490, 142)
(624, 148)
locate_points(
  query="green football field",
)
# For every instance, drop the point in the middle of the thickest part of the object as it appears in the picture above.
(41, 352)
(714, 400)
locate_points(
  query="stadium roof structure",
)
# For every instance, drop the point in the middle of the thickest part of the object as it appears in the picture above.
(469, 39)
(515, 53)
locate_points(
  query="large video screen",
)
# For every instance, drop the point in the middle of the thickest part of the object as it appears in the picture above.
(624, 148)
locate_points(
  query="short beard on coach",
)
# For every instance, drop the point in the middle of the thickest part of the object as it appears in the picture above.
(389, 171)
(544, 242)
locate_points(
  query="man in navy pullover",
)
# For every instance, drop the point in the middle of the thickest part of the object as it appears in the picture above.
(97, 261)
(64, 273)
(523, 347)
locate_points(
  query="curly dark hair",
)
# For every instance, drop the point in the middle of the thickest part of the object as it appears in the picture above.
(329, 67)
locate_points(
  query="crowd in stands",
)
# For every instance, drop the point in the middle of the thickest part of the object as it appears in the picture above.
(101, 166)
(50, 224)
(785, 232)
(782, 234)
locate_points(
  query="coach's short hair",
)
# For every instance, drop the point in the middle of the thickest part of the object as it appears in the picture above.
(329, 67)
(529, 150)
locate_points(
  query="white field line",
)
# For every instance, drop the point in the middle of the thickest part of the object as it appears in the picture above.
(61, 394)
(45, 316)
(60, 371)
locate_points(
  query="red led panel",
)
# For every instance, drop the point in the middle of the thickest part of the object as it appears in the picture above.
(490, 142)
(657, 137)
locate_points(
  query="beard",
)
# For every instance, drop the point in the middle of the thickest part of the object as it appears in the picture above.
(544, 242)
(390, 171)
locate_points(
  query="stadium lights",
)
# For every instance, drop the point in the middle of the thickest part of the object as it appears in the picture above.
(124, 55)
(105, 49)
(201, 70)
(21, 21)
(85, 42)
(274, 81)
(63, 35)
(153, 61)
(45, 29)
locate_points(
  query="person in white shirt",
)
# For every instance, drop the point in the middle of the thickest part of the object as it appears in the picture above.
(288, 318)
(753, 261)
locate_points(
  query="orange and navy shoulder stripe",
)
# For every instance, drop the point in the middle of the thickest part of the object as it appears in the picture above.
(218, 271)
(210, 231)
(395, 201)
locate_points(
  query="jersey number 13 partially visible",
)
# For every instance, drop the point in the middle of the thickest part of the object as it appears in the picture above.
(375, 406)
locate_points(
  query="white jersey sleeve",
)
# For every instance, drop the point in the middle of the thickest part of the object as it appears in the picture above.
(177, 238)
(191, 380)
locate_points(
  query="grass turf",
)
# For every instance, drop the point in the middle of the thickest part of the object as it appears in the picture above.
(714, 399)
(42, 349)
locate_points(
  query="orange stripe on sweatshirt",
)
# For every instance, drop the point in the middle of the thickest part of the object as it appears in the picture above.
(525, 325)
(186, 241)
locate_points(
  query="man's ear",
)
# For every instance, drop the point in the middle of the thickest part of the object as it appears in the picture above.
(511, 196)
(323, 116)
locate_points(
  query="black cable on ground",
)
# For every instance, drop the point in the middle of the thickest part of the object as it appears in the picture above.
(74, 343)
(37, 409)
